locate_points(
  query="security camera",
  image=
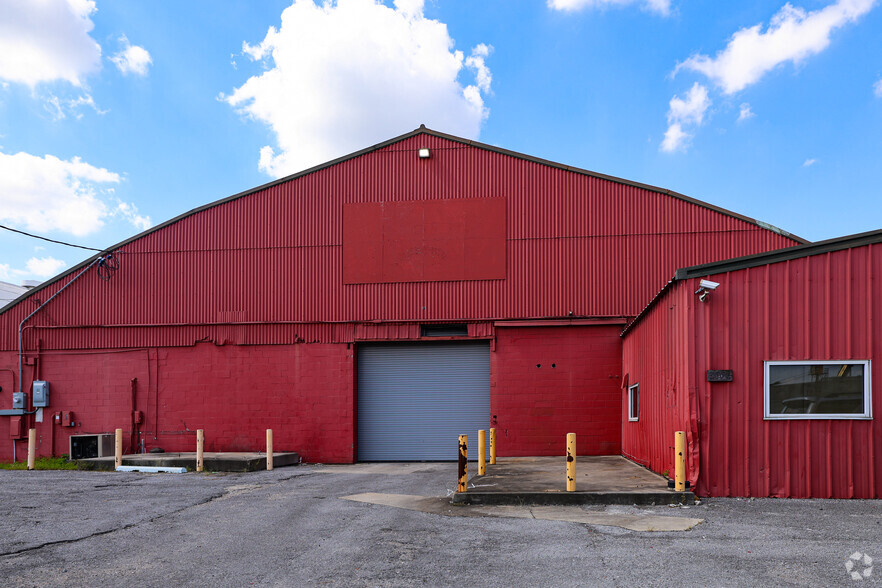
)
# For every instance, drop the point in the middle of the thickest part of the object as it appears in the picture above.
(705, 287)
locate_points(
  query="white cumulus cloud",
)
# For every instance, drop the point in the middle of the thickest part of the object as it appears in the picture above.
(791, 36)
(45, 267)
(877, 89)
(475, 61)
(47, 40)
(683, 113)
(745, 113)
(675, 138)
(660, 6)
(46, 193)
(129, 211)
(340, 76)
(132, 58)
(809, 162)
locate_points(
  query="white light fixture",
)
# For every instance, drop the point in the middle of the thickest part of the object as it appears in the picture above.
(424, 153)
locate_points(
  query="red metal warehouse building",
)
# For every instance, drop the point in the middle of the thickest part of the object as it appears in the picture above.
(371, 308)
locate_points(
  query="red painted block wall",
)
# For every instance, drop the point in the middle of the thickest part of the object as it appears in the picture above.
(303, 392)
(550, 381)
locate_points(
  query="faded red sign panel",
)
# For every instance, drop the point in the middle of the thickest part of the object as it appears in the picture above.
(424, 241)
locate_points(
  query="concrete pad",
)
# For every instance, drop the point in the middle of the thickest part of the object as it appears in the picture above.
(213, 461)
(609, 479)
(570, 514)
(604, 473)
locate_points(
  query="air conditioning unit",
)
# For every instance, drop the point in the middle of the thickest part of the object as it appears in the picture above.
(88, 446)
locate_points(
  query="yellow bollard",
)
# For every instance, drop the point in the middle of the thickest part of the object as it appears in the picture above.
(463, 463)
(118, 450)
(32, 448)
(571, 462)
(482, 452)
(200, 450)
(680, 461)
(493, 446)
(269, 449)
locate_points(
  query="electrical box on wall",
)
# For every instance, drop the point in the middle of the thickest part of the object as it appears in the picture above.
(18, 400)
(67, 419)
(16, 427)
(41, 394)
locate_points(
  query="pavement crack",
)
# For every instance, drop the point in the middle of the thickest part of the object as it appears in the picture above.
(211, 498)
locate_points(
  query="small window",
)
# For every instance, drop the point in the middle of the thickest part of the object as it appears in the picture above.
(445, 330)
(817, 390)
(634, 402)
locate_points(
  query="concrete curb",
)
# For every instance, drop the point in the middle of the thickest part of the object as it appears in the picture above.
(212, 462)
(573, 498)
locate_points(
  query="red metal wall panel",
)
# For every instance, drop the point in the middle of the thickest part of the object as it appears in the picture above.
(822, 307)
(550, 381)
(655, 356)
(424, 241)
(576, 245)
(303, 392)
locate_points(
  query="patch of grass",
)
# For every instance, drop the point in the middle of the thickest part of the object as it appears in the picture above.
(42, 463)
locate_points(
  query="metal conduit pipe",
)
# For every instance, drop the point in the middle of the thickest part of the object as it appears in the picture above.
(36, 310)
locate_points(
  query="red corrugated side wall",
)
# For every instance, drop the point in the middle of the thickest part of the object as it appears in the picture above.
(268, 262)
(823, 307)
(819, 307)
(656, 356)
(550, 381)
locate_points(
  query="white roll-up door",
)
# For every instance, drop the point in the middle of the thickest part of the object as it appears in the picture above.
(415, 399)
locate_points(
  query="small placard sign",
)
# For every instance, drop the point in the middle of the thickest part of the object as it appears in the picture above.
(719, 375)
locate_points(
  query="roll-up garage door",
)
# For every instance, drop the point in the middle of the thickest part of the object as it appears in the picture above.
(414, 399)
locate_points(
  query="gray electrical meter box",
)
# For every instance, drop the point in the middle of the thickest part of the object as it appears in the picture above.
(18, 400)
(41, 394)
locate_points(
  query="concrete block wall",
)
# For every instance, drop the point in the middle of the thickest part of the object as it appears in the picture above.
(550, 381)
(303, 392)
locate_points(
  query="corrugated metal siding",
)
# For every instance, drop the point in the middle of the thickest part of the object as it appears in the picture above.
(414, 400)
(575, 244)
(65, 337)
(656, 356)
(824, 307)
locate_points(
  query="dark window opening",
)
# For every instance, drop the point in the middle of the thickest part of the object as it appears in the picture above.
(453, 330)
(817, 389)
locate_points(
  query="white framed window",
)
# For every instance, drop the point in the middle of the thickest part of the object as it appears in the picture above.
(817, 389)
(634, 402)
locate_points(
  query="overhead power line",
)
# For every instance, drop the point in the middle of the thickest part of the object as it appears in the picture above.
(50, 240)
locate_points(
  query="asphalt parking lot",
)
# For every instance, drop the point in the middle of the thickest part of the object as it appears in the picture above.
(291, 527)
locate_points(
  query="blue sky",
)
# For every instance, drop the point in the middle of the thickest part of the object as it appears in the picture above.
(115, 116)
